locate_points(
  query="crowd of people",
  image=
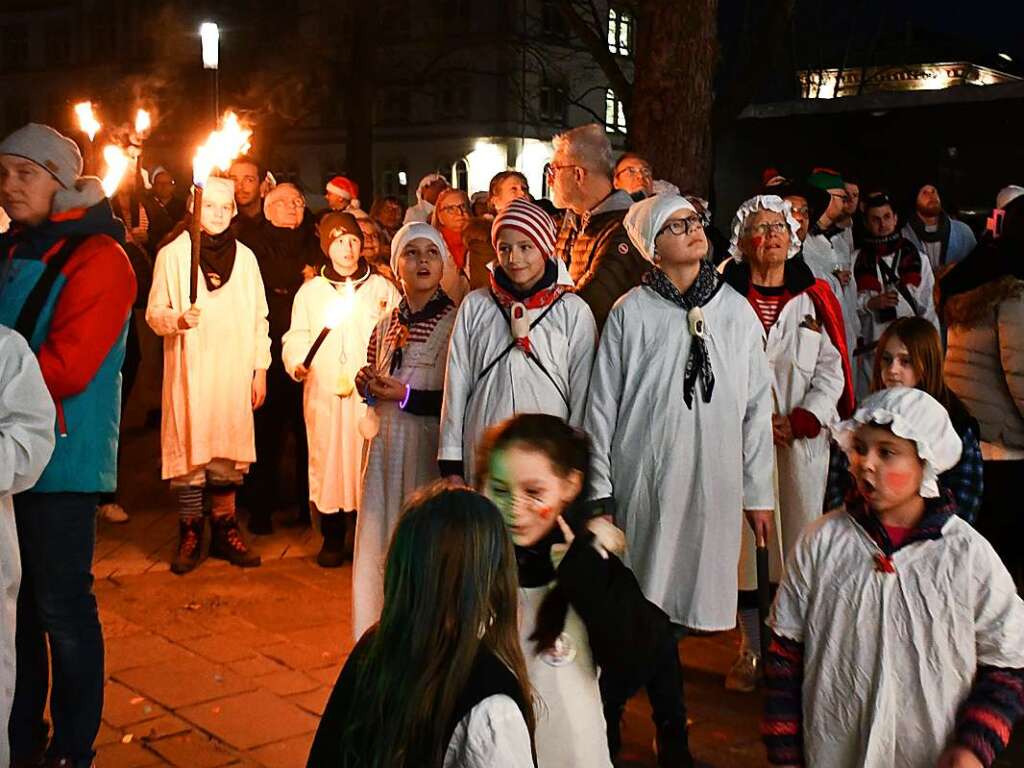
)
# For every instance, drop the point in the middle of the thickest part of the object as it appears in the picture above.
(553, 437)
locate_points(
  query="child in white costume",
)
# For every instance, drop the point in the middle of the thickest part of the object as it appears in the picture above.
(216, 355)
(404, 381)
(357, 298)
(524, 345)
(898, 633)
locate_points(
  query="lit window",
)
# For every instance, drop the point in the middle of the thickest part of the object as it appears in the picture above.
(614, 113)
(620, 32)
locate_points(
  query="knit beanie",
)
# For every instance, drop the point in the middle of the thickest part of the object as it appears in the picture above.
(48, 149)
(335, 225)
(826, 178)
(528, 219)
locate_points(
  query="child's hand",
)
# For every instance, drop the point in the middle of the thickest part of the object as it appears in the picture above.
(387, 388)
(782, 430)
(760, 521)
(558, 550)
(301, 372)
(959, 757)
(363, 378)
(607, 538)
(189, 318)
(259, 389)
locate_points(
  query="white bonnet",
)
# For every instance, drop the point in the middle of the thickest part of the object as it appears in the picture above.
(646, 217)
(763, 203)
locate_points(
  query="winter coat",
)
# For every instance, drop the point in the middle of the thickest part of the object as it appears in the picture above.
(603, 262)
(961, 242)
(985, 359)
(208, 370)
(79, 332)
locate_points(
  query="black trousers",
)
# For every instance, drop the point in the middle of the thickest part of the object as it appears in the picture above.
(280, 415)
(1000, 519)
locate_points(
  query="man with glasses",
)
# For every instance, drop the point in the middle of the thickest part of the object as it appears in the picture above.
(602, 261)
(285, 243)
(634, 176)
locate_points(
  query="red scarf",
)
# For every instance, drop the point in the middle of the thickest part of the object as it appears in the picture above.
(831, 315)
(456, 247)
(545, 293)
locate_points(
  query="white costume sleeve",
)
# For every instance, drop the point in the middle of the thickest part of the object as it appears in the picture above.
(262, 345)
(492, 735)
(788, 616)
(826, 384)
(582, 344)
(27, 416)
(161, 314)
(758, 447)
(458, 384)
(299, 337)
(998, 611)
(924, 294)
(603, 404)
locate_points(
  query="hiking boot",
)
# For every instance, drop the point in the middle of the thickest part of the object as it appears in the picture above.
(334, 530)
(260, 523)
(227, 543)
(190, 543)
(745, 673)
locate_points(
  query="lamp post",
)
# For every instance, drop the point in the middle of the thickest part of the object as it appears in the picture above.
(210, 35)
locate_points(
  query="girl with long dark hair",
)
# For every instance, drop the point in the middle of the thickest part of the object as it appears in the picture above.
(441, 680)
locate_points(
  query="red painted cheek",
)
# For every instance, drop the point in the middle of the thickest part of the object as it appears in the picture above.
(757, 241)
(898, 481)
(545, 513)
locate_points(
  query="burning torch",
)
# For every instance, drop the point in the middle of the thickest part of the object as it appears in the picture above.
(90, 126)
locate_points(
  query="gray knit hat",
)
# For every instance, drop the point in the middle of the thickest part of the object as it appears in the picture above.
(47, 148)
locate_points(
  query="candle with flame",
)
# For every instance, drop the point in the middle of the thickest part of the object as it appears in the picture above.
(117, 163)
(221, 147)
(337, 310)
(87, 119)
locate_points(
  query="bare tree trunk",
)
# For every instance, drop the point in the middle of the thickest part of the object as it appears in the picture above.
(671, 110)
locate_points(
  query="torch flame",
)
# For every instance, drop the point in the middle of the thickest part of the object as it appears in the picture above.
(87, 119)
(142, 122)
(339, 308)
(117, 163)
(221, 147)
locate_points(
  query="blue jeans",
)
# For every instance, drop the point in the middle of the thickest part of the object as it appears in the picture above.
(57, 536)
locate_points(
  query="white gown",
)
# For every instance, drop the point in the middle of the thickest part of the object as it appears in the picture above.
(889, 657)
(401, 458)
(564, 341)
(681, 478)
(822, 256)
(806, 373)
(332, 422)
(27, 419)
(208, 370)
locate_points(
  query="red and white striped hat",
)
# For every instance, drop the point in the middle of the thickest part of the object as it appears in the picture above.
(529, 219)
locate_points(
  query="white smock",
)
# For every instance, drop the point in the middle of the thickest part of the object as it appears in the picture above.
(563, 341)
(807, 372)
(682, 477)
(822, 256)
(889, 657)
(492, 735)
(332, 421)
(570, 728)
(208, 370)
(399, 459)
(27, 418)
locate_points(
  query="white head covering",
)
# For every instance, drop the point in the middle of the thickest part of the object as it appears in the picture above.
(663, 187)
(646, 217)
(913, 415)
(412, 231)
(1008, 194)
(425, 182)
(763, 203)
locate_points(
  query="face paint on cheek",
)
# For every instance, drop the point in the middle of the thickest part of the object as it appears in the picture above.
(545, 513)
(897, 481)
(757, 240)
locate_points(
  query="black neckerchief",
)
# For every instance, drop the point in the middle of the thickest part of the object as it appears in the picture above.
(698, 363)
(939, 235)
(937, 512)
(535, 566)
(549, 278)
(796, 275)
(217, 258)
(358, 277)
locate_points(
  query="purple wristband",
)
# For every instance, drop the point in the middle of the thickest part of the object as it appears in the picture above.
(405, 400)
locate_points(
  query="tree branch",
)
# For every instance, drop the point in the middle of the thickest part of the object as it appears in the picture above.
(598, 48)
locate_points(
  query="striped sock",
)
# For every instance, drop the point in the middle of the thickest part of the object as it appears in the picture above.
(190, 501)
(750, 630)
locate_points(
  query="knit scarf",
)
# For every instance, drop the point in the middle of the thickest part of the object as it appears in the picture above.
(697, 295)
(907, 264)
(457, 248)
(939, 235)
(403, 318)
(545, 293)
(358, 277)
(217, 258)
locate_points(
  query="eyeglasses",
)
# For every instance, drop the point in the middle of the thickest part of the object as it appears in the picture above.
(801, 211)
(841, 195)
(550, 170)
(680, 227)
(451, 210)
(768, 227)
(637, 171)
(298, 204)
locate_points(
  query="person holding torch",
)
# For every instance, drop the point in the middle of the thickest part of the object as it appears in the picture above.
(333, 315)
(216, 355)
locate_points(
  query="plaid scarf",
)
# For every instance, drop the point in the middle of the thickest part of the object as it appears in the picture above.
(403, 318)
(697, 295)
(545, 293)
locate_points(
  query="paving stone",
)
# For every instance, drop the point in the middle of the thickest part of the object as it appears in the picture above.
(180, 684)
(130, 755)
(335, 637)
(256, 666)
(182, 630)
(298, 656)
(193, 750)
(251, 719)
(287, 682)
(220, 648)
(122, 706)
(140, 650)
(290, 753)
(161, 728)
(326, 675)
(313, 701)
(107, 735)
(115, 625)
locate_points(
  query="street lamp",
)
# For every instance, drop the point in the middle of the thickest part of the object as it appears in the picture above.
(209, 33)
